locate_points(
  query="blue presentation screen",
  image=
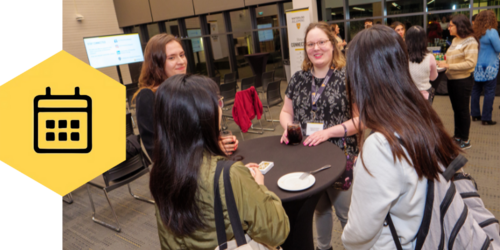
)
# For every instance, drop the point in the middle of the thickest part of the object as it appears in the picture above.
(265, 35)
(106, 51)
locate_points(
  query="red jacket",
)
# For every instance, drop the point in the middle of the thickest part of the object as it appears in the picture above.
(246, 105)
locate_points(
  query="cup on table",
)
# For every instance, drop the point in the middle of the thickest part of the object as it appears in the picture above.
(294, 132)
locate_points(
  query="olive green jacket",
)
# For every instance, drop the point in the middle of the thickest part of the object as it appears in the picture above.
(261, 213)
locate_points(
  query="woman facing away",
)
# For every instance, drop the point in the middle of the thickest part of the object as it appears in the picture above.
(408, 146)
(317, 96)
(186, 153)
(461, 59)
(486, 71)
(423, 68)
(163, 57)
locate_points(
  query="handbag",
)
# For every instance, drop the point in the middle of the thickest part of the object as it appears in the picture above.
(241, 240)
(344, 182)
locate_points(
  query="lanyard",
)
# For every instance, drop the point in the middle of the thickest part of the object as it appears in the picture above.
(315, 92)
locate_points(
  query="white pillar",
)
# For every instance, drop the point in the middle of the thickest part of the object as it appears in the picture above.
(311, 4)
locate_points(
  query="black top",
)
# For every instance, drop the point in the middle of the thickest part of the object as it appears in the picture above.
(333, 104)
(144, 110)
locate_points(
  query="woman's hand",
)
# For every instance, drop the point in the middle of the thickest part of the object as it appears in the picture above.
(230, 144)
(316, 138)
(284, 137)
(443, 64)
(256, 174)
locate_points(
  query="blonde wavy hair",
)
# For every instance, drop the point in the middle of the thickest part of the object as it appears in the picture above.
(338, 59)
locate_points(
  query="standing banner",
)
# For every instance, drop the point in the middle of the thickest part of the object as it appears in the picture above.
(297, 21)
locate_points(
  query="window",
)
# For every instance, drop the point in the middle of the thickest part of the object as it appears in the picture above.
(333, 10)
(173, 28)
(395, 7)
(408, 21)
(357, 26)
(484, 3)
(196, 44)
(220, 50)
(437, 28)
(267, 16)
(447, 4)
(365, 8)
(153, 29)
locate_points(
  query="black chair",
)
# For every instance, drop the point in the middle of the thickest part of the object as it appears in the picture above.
(267, 77)
(273, 98)
(130, 90)
(247, 82)
(228, 91)
(122, 174)
(230, 77)
(216, 79)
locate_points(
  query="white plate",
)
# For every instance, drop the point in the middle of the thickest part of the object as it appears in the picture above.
(291, 182)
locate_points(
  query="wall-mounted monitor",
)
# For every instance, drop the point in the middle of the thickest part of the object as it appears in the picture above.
(197, 43)
(265, 35)
(113, 50)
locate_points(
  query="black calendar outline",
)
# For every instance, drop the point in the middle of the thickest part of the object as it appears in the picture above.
(88, 110)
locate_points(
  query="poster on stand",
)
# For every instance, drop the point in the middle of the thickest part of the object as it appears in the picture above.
(297, 21)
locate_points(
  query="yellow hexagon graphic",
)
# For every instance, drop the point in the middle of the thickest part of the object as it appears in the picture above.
(63, 123)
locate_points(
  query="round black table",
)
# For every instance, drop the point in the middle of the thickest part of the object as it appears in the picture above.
(299, 206)
(258, 62)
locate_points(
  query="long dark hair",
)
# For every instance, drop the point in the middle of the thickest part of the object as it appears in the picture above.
(464, 27)
(186, 115)
(388, 102)
(153, 68)
(416, 42)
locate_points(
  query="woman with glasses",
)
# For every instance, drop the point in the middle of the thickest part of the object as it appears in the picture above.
(461, 59)
(186, 153)
(485, 74)
(163, 57)
(316, 98)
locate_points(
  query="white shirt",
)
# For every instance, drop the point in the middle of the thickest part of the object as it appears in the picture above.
(391, 186)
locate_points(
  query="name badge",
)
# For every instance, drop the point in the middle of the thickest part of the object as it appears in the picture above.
(313, 127)
(458, 46)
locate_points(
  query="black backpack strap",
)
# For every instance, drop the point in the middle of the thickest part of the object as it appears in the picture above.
(454, 166)
(395, 237)
(232, 209)
(220, 226)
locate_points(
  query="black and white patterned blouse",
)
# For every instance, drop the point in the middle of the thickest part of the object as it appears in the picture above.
(333, 104)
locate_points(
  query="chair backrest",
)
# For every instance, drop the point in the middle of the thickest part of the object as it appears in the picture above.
(267, 77)
(228, 91)
(129, 169)
(216, 79)
(247, 82)
(230, 77)
(129, 124)
(274, 93)
(130, 90)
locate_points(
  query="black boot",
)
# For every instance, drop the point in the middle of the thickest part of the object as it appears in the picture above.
(489, 122)
(476, 118)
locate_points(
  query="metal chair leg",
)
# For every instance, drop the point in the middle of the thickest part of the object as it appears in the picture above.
(269, 110)
(138, 197)
(70, 198)
(116, 228)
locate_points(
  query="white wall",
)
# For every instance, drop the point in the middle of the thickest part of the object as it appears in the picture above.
(311, 4)
(99, 19)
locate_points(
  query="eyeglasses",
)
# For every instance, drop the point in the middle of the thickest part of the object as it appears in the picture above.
(221, 101)
(321, 44)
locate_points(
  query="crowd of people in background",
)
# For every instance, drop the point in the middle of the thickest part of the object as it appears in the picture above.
(381, 84)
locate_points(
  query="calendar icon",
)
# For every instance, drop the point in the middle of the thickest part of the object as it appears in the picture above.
(63, 123)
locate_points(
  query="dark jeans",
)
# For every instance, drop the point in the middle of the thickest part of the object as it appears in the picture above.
(460, 92)
(489, 96)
